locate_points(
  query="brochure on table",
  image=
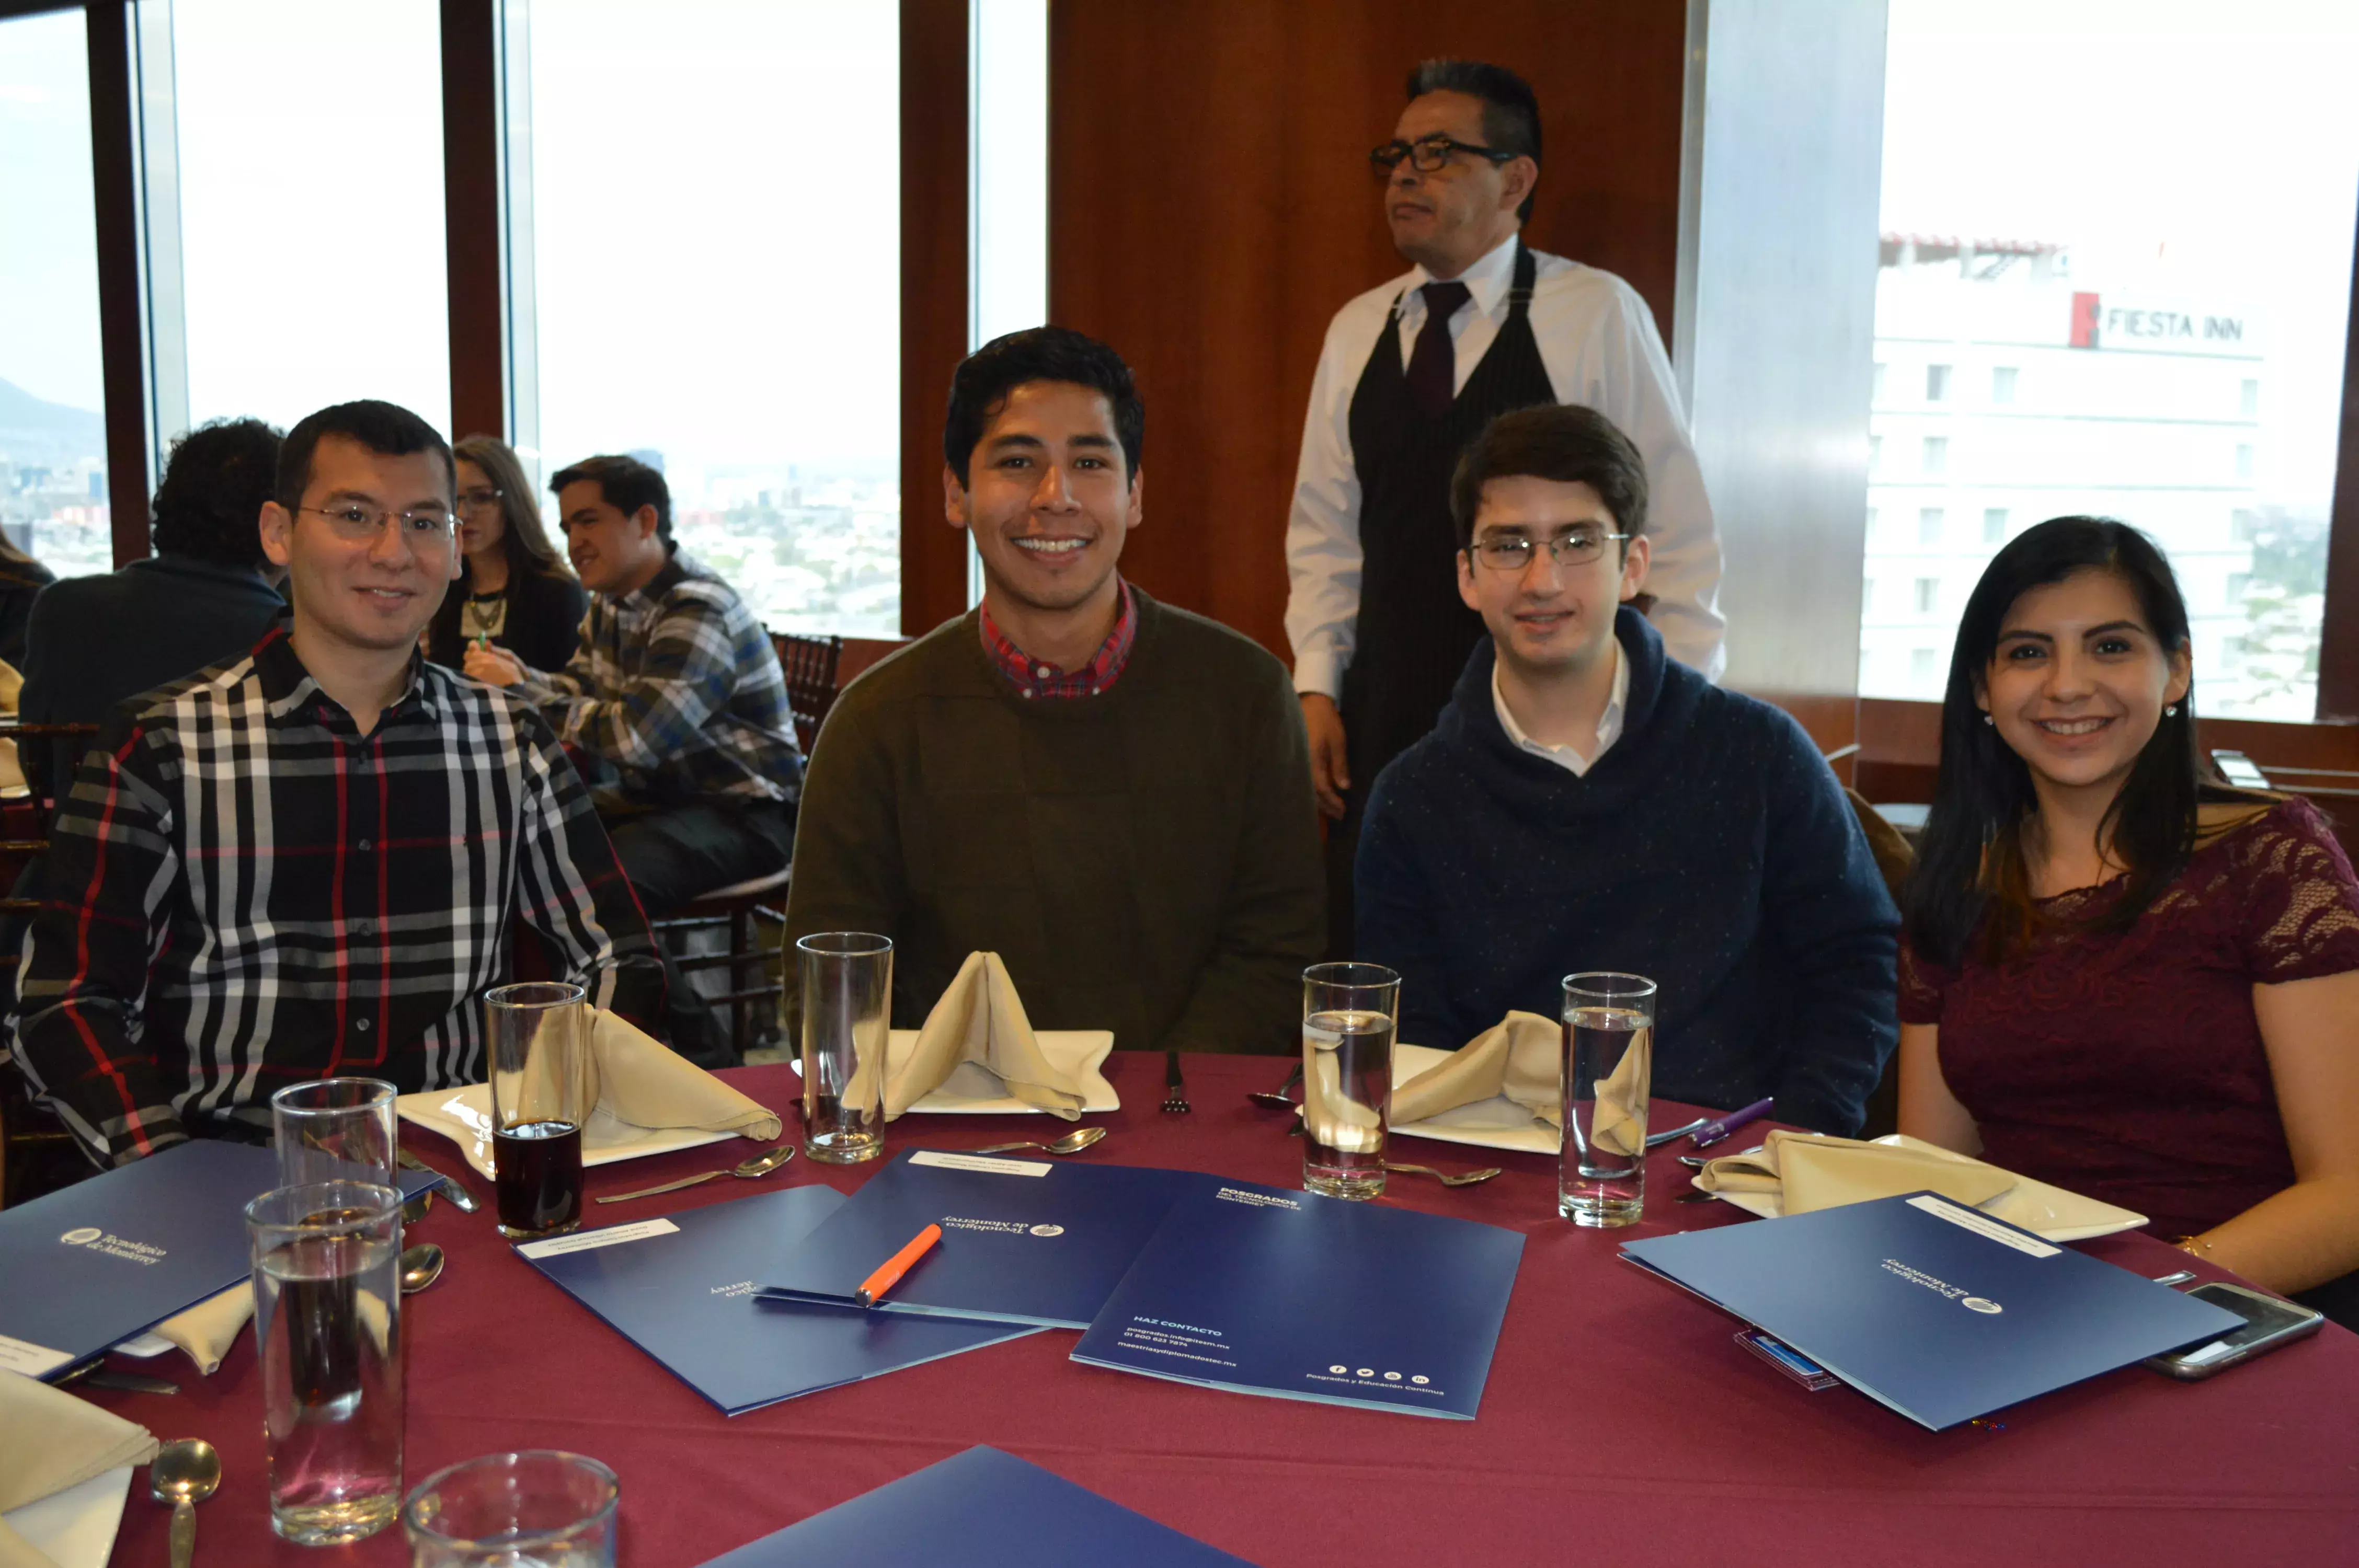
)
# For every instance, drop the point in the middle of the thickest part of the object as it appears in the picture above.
(1031, 1241)
(1934, 1309)
(681, 1288)
(1286, 1293)
(981, 1508)
(102, 1260)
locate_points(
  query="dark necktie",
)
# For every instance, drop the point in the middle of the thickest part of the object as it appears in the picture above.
(1433, 363)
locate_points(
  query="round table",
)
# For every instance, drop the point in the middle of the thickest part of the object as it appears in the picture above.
(1621, 1421)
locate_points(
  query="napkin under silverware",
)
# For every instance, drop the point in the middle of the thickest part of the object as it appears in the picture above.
(1809, 1171)
(980, 1018)
(51, 1440)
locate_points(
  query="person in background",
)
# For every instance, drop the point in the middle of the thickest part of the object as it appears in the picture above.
(1588, 802)
(514, 589)
(312, 860)
(1411, 372)
(2116, 976)
(677, 689)
(206, 595)
(1110, 792)
(21, 580)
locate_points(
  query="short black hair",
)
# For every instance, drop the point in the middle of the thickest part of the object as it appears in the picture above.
(1560, 441)
(625, 482)
(385, 428)
(209, 503)
(1511, 109)
(984, 378)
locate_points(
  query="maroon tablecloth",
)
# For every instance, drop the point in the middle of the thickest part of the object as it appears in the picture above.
(1621, 1422)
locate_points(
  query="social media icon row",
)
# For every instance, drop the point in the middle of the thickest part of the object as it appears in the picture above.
(1370, 1371)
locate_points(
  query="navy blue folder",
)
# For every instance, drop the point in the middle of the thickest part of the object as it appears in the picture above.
(1033, 1241)
(681, 1288)
(1284, 1293)
(1934, 1309)
(981, 1508)
(103, 1260)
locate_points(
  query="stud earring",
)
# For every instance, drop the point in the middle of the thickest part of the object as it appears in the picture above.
(1988, 719)
(2171, 712)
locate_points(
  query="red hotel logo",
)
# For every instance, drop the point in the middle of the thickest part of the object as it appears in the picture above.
(2084, 321)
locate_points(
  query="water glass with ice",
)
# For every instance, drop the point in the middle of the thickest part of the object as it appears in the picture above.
(1609, 1056)
(327, 1325)
(846, 985)
(544, 1087)
(1349, 1013)
(541, 1507)
(334, 1130)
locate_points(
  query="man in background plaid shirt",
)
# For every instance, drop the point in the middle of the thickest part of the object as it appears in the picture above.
(676, 688)
(308, 861)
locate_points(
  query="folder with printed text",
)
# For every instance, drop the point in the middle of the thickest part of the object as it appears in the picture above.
(1258, 1290)
(1938, 1311)
(682, 1288)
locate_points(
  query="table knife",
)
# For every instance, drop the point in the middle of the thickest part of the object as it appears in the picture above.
(457, 1196)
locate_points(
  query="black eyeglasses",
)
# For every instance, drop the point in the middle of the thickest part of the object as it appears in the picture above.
(1514, 553)
(1426, 155)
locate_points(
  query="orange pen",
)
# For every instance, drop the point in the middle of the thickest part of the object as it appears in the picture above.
(889, 1272)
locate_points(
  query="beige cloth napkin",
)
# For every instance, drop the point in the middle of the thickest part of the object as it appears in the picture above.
(980, 1018)
(1809, 1171)
(51, 1440)
(1521, 1057)
(208, 1329)
(648, 1085)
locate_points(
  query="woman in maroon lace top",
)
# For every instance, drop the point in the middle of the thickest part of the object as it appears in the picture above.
(2115, 977)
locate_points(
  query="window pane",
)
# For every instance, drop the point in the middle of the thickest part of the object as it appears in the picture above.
(716, 229)
(2161, 307)
(52, 386)
(310, 183)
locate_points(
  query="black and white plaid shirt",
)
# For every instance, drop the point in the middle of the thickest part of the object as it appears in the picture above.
(244, 892)
(678, 686)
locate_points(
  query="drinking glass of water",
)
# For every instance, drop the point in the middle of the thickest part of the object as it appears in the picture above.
(846, 984)
(541, 1506)
(1349, 1011)
(327, 1325)
(544, 1087)
(334, 1130)
(1609, 1058)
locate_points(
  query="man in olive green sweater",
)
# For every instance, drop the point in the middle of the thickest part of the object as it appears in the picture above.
(1111, 794)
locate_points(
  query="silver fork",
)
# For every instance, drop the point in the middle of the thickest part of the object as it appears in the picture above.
(1463, 1178)
(1175, 1101)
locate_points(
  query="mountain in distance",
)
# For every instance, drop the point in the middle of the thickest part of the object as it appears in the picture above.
(35, 432)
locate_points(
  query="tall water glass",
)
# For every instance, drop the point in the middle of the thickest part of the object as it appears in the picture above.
(544, 1087)
(1609, 1059)
(846, 983)
(542, 1508)
(334, 1130)
(326, 1324)
(1349, 1012)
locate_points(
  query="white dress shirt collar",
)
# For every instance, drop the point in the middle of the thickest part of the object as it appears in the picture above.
(1487, 280)
(1568, 757)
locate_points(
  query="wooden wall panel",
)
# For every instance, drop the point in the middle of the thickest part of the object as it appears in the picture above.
(1209, 208)
(933, 298)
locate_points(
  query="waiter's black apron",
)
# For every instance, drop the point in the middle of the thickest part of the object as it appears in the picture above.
(1413, 634)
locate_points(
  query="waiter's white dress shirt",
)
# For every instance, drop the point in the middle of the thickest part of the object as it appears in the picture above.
(1570, 758)
(1599, 346)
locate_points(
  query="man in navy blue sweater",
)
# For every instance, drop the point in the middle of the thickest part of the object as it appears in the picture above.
(1586, 802)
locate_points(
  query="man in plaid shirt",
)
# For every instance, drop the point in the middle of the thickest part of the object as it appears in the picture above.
(676, 688)
(311, 860)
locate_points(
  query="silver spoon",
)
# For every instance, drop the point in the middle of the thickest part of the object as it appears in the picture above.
(421, 1265)
(1463, 1179)
(761, 1164)
(1072, 1142)
(1274, 1101)
(184, 1473)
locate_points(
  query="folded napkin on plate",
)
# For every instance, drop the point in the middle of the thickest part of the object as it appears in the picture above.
(208, 1329)
(648, 1085)
(1809, 1171)
(51, 1440)
(980, 1018)
(1521, 1057)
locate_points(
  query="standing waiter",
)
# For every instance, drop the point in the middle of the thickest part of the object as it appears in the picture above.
(1411, 372)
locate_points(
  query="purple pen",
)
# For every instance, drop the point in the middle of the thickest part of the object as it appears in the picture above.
(1711, 1133)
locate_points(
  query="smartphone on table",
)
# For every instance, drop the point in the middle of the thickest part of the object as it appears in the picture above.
(2268, 1323)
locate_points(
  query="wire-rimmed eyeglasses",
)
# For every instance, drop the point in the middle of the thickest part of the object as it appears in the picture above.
(358, 521)
(1515, 552)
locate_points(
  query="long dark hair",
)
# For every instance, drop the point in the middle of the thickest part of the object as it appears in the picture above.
(526, 542)
(1970, 875)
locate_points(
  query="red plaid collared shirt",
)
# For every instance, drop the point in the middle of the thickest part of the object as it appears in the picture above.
(1032, 677)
